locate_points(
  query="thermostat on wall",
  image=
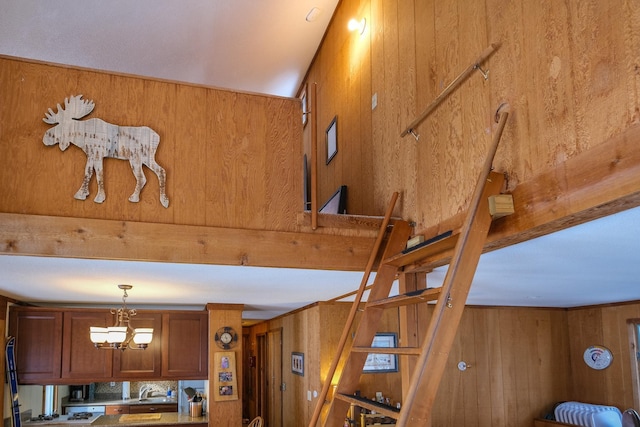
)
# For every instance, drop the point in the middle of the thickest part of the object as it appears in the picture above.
(598, 357)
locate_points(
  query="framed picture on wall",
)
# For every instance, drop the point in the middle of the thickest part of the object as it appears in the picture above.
(297, 363)
(332, 139)
(382, 362)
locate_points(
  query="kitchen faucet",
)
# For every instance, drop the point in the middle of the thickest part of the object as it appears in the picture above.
(144, 391)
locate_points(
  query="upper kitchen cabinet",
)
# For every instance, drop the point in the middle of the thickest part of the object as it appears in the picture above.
(184, 345)
(81, 361)
(141, 364)
(38, 343)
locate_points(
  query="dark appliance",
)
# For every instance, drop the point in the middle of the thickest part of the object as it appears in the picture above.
(78, 393)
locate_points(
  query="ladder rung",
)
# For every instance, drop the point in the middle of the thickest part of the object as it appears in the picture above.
(371, 405)
(415, 297)
(415, 351)
(412, 256)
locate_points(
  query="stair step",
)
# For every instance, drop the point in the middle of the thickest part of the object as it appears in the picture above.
(428, 248)
(415, 297)
(412, 351)
(380, 408)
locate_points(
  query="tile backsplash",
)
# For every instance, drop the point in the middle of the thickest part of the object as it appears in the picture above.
(158, 388)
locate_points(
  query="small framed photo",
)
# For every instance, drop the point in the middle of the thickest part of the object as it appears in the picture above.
(297, 363)
(332, 139)
(382, 362)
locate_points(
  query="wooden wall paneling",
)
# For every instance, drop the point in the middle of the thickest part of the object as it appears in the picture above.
(429, 172)
(507, 78)
(357, 168)
(187, 185)
(376, 33)
(406, 107)
(160, 111)
(600, 41)
(585, 329)
(252, 129)
(390, 153)
(602, 325)
(468, 378)
(618, 376)
(283, 168)
(445, 141)
(477, 113)
(550, 84)
(511, 368)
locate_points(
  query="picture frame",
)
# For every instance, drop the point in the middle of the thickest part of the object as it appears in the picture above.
(297, 363)
(382, 362)
(305, 106)
(225, 382)
(332, 139)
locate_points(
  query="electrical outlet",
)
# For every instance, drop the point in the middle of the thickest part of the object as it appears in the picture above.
(374, 101)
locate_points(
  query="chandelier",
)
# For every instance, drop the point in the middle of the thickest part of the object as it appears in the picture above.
(121, 335)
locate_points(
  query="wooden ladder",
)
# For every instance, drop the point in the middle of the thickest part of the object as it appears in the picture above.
(431, 356)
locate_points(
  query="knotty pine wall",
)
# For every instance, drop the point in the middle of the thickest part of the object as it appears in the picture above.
(603, 325)
(521, 362)
(568, 71)
(232, 159)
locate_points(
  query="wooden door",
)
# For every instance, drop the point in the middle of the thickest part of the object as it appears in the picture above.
(274, 377)
(38, 344)
(134, 363)
(81, 360)
(185, 348)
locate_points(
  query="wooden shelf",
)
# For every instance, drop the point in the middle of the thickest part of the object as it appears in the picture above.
(371, 405)
(415, 297)
(419, 254)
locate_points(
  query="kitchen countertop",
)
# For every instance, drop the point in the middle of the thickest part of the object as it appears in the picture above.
(160, 419)
(165, 418)
(107, 401)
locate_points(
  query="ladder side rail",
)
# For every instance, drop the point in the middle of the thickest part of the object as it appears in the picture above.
(470, 244)
(352, 312)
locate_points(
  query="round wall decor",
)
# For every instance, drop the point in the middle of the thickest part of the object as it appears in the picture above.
(598, 357)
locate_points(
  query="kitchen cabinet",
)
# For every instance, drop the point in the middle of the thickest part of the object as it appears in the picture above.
(53, 346)
(185, 347)
(116, 409)
(81, 361)
(141, 364)
(38, 343)
(161, 407)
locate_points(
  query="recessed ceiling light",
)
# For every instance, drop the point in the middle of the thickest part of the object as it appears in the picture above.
(313, 14)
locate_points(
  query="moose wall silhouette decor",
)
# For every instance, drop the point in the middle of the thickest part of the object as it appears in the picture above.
(99, 140)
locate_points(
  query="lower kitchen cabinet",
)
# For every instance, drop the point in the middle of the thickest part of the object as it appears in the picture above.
(162, 407)
(116, 409)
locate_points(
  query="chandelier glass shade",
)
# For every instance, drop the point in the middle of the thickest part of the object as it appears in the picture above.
(121, 335)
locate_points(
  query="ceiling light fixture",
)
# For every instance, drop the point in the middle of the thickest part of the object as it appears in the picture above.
(122, 333)
(313, 14)
(354, 25)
